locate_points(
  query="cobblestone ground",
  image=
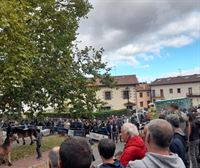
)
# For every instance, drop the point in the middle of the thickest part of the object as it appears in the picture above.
(32, 162)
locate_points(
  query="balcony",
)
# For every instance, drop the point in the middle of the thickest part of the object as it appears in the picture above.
(158, 96)
(193, 94)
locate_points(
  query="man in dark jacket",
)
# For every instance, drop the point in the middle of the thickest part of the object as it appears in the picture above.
(38, 143)
(194, 141)
(114, 132)
(106, 149)
(109, 129)
(9, 129)
(179, 143)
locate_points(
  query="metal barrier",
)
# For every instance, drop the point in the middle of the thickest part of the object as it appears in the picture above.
(72, 132)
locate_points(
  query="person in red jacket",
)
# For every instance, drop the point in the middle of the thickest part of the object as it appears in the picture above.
(135, 148)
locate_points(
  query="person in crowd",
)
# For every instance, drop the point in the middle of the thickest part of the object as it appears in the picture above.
(179, 143)
(9, 129)
(135, 147)
(114, 132)
(1, 136)
(158, 138)
(120, 122)
(174, 109)
(106, 149)
(109, 129)
(75, 152)
(194, 139)
(162, 116)
(54, 157)
(38, 143)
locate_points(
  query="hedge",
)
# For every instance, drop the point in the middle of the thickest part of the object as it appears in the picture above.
(105, 114)
(99, 114)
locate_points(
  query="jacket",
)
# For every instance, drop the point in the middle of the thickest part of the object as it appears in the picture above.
(179, 146)
(153, 160)
(116, 164)
(39, 140)
(134, 149)
(195, 130)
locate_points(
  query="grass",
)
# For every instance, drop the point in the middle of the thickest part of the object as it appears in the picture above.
(24, 151)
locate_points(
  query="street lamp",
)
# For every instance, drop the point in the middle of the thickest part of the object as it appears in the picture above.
(128, 97)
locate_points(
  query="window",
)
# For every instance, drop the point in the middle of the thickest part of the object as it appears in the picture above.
(148, 102)
(129, 107)
(161, 93)
(141, 94)
(148, 94)
(179, 90)
(106, 108)
(190, 91)
(141, 104)
(126, 94)
(171, 91)
(107, 95)
(153, 93)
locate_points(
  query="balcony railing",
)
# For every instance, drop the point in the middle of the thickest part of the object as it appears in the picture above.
(158, 96)
(193, 94)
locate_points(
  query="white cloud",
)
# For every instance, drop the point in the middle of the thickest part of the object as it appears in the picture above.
(154, 42)
(132, 30)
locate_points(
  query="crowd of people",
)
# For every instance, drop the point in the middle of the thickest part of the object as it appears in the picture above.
(172, 141)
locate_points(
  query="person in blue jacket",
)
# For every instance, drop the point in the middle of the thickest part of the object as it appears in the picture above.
(179, 143)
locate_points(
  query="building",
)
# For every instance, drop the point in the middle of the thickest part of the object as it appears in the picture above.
(177, 87)
(143, 95)
(123, 96)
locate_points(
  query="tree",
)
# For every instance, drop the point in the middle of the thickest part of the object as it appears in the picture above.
(40, 64)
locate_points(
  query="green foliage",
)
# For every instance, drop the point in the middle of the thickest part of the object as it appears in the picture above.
(99, 114)
(40, 65)
(105, 114)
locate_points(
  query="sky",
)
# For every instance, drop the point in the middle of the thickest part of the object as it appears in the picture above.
(149, 38)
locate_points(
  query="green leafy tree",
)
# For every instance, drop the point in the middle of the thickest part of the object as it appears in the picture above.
(40, 65)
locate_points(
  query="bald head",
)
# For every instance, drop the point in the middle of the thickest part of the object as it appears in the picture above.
(54, 157)
(161, 132)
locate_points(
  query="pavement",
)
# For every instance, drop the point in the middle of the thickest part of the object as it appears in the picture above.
(32, 162)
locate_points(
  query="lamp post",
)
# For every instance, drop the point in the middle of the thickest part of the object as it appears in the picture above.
(128, 97)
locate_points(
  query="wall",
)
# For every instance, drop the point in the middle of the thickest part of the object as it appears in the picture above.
(117, 102)
(143, 99)
(184, 91)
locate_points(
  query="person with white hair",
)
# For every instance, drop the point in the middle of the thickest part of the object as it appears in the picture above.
(135, 147)
(158, 138)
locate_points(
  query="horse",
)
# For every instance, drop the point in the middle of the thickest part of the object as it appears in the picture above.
(6, 149)
(30, 132)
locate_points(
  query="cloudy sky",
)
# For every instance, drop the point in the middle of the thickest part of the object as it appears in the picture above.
(149, 38)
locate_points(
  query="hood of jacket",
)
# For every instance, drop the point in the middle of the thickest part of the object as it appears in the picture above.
(153, 160)
(135, 141)
(197, 121)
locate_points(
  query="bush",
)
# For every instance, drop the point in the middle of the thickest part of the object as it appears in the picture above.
(105, 114)
(99, 114)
